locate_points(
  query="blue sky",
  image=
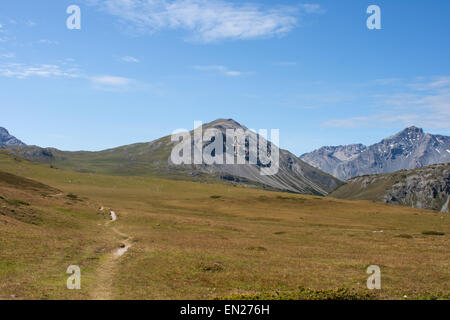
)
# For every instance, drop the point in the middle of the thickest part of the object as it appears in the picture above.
(139, 69)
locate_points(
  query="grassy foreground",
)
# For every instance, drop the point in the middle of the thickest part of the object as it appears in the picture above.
(206, 241)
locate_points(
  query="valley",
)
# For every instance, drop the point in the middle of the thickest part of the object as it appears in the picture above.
(193, 240)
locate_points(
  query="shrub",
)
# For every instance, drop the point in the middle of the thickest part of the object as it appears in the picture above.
(16, 202)
(257, 248)
(303, 294)
(433, 233)
(406, 236)
(72, 196)
(212, 267)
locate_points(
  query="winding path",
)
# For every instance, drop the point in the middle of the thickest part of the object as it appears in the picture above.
(107, 268)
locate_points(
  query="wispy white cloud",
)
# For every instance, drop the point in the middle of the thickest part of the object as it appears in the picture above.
(352, 122)
(66, 69)
(23, 71)
(30, 23)
(440, 82)
(424, 103)
(3, 32)
(221, 69)
(111, 81)
(4, 37)
(47, 41)
(207, 20)
(317, 100)
(312, 8)
(11, 22)
(8, 55)
(386, 81)
(423, 84)
(130, 59)
(286, 64)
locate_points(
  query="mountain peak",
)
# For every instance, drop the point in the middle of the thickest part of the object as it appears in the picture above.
(413, 129)
(224, 124)
(408, 149)
(409, 133)
(3, 131)
(8, 140)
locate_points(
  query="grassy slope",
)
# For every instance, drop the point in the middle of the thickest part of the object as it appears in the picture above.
(148, 159)
(381, 183)
(354, 191)
(193, 240)
(140, 159)
(42, 232)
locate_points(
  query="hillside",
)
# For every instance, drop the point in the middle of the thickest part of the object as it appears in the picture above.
(43, 230)
(196, 241)
(14, 181)
(409, 149)
(153, 159)
(427, 187)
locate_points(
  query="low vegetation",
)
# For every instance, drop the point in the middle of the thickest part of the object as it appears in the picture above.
(433, 233)
(16, 203)
(189, 244)
(72, 196)
(405, 236)
(304, 294)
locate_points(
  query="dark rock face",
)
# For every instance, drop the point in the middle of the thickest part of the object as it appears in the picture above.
(408, 149)
(38, 154)
(8, 140)
(427, 188)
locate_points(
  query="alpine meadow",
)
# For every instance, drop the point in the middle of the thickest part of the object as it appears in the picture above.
(222, 159)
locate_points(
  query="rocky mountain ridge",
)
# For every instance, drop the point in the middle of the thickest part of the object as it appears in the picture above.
(409, 149)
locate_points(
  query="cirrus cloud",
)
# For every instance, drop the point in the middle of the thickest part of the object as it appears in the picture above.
(207, 20)
(221, 69)
(65, 70)
(424, 102)
(130, 59)
(111, 82)
(23, 71)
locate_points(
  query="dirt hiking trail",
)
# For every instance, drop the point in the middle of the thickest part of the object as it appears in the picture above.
(107, 268)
